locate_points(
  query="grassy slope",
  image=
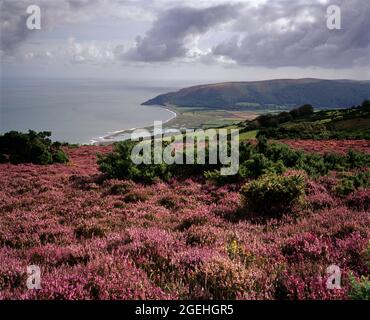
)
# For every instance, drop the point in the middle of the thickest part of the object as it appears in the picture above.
(345, 121)
(271, 93)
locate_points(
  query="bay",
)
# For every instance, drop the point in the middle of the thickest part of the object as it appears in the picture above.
(78, 110)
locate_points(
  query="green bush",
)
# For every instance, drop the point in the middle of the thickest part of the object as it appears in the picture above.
(32, 147)
(59, 156)
(280, 152)
(357, 159)
(360, 289)
(350, 183)
(118, 164)
(254, 161)
(314, 165)
(272, 195)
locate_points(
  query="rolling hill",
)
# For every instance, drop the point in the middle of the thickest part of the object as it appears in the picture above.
(283, 92)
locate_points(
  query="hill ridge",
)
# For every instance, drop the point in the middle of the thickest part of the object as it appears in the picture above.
(280, 92)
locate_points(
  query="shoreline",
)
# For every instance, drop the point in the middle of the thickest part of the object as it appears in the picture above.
(112, 137)
(183, 118)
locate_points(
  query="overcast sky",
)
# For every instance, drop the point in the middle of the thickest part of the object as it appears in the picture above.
(194, 40)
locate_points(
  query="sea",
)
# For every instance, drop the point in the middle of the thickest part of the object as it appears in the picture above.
(82, 111)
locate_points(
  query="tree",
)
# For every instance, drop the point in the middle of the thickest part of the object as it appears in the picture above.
(32, 147)
(304, 110)
(366, 105)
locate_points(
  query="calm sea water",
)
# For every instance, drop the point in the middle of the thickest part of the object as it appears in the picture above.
(78, 111)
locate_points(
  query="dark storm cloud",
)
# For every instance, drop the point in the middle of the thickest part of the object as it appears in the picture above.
(294, 33)
(166, 39)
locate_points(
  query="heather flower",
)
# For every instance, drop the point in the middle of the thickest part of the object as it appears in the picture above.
(183, 239)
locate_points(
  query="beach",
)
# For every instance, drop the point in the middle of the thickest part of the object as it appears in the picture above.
(123, 135)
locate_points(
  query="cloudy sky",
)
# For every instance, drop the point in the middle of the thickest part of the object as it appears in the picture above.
(193, 40)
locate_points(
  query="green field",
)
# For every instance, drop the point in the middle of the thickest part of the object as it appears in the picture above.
(205, 118)
(351, 123)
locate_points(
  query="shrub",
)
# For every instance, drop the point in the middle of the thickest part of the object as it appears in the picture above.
(256, 166)
(289, 157)
(272, 195)
(31, 147)
(360, 289)
(350, 183)
(60, 157)
(357, 159)
(314, 165)
(254, 161)
(118, 164)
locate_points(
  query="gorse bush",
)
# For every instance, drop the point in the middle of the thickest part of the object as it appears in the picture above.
(272, 195)
(119, 164)
(31, 147)
(254, 161)
(350, 183)
(360, 289)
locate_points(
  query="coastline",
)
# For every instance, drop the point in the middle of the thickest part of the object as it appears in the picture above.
(182, 117)
(122, 135)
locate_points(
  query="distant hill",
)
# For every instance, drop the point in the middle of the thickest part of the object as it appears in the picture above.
(284, 92)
